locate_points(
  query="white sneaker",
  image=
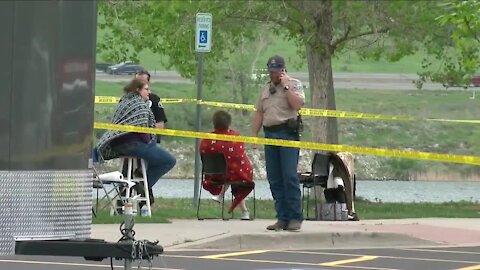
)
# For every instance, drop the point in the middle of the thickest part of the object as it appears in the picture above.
(217, 198)
(245, 216)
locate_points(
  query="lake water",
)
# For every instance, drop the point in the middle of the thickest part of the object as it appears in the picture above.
(385, 191)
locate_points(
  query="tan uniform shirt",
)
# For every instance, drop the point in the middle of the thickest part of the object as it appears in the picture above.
(275, 107)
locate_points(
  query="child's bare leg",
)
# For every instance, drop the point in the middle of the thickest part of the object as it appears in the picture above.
(243, 206)
(224, 189)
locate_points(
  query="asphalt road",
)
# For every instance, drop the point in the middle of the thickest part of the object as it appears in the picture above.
(445, 258)
(372, 81)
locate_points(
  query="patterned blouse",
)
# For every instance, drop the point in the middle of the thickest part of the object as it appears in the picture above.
(239, 168)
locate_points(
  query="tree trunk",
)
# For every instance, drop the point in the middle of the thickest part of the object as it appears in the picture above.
(322, 94)
(243, 92)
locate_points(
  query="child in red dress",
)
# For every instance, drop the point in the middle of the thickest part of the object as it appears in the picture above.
(239, 168)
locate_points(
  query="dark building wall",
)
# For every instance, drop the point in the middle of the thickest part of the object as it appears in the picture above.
(6, 61)
(47, 85)
(47, 60)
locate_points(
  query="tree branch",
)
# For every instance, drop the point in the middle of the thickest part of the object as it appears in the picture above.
(469, 27)
(293, 5)
(345, 37)
(281, 21)
(255, 19)
(299, 11)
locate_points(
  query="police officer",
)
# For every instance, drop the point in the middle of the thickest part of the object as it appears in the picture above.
(277, 111)
(155, 104)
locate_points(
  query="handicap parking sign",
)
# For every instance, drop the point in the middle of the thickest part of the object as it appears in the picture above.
(203, 38)
(203, 35)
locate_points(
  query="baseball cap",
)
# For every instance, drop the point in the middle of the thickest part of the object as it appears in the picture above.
(276, 63)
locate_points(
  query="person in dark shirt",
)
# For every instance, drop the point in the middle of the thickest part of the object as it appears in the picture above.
(155, 103)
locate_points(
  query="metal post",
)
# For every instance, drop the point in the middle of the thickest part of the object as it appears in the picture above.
(198, 128)
(128, 222)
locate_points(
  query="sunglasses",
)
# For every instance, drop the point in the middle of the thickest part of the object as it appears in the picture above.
(275, 65)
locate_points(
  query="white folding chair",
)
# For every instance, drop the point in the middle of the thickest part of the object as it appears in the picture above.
(112, 184)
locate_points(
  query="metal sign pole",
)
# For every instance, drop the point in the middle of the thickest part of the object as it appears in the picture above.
(203, 44)
(197, 187)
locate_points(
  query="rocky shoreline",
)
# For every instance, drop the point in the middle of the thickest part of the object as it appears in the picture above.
(366, 167)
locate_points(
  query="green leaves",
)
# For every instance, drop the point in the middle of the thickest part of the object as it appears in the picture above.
(167, 27)
(461, 54)
(373, 29)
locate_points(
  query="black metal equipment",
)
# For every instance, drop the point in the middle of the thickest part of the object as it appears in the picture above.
(90, 249)
(127, 248)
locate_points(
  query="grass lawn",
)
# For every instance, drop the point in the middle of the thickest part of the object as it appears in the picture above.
(348, 62)
(344, 62)
(167, 209)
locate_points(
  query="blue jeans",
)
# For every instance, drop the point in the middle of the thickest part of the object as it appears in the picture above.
(158, 160)
(95, 154)
(281, 163)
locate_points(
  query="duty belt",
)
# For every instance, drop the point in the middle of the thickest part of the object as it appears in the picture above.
(274, 128)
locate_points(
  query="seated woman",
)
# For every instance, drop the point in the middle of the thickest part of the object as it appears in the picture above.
(133, 110)
(239, 168)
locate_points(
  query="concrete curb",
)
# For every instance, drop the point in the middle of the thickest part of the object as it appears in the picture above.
(292, 241)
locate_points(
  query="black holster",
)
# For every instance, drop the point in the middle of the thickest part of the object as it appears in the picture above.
(295, 125)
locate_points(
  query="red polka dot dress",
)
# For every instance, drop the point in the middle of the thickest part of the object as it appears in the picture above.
(239, 167)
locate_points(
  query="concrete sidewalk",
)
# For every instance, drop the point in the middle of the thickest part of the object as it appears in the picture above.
(237, 234)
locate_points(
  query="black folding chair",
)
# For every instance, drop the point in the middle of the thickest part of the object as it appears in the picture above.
(310, 180)
(216, 165)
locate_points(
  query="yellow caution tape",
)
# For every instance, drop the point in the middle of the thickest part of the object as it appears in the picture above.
(334, 113)
(113, 100)
(473, 160)
(455, 121)
(177, 100)
(312, 112)
(305, 111)
(342, 114)
(106, 99)
(227, 105)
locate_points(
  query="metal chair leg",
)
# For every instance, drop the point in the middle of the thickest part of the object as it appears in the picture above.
(146, 190)
(96, 205)
(254, 205)
(303, 199)
(231, 202)
(223, 203)
(198, 204)
(308, 203)
(315, 201)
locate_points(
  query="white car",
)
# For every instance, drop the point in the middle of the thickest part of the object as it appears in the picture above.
(259, 74)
